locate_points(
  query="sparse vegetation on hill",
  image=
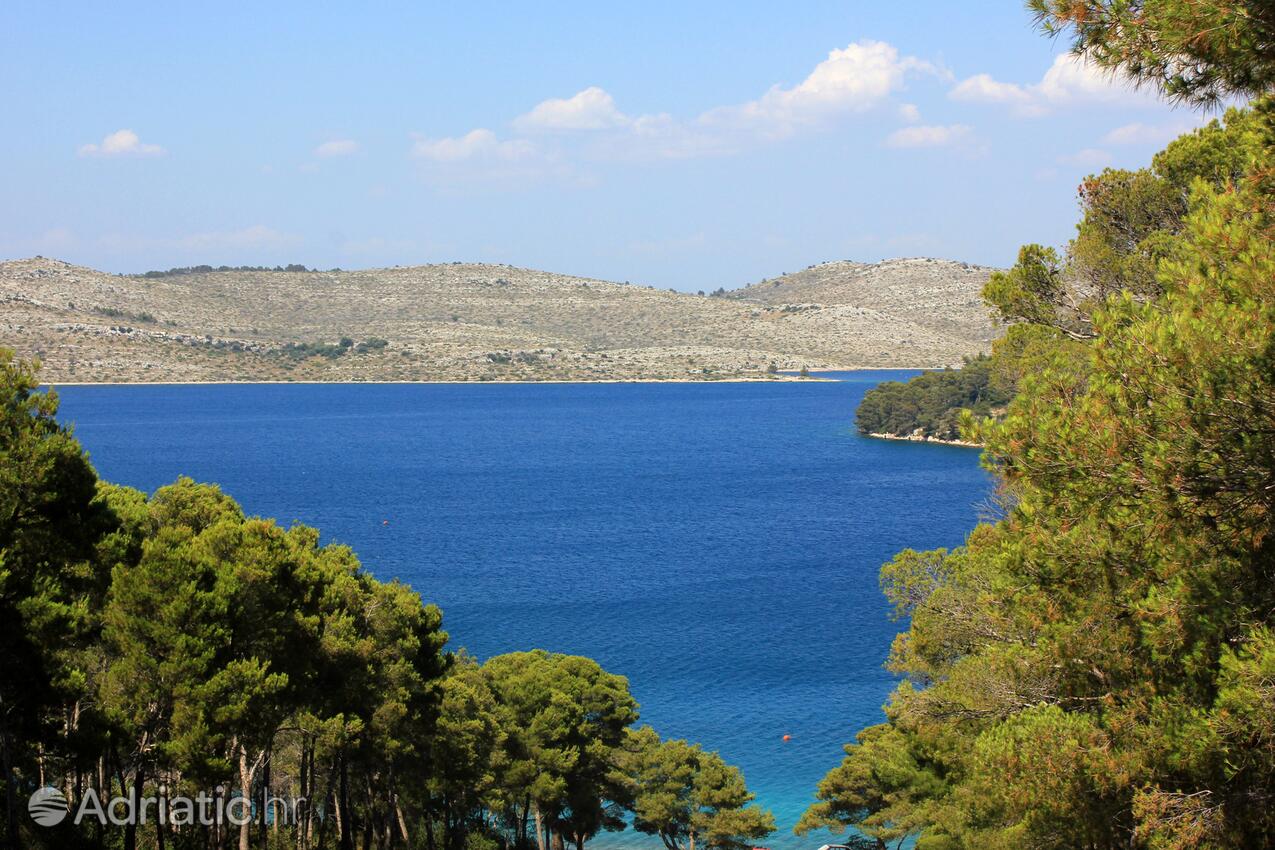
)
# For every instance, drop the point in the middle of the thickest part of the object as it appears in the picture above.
(180, 270)
(475, 322)
(302, 350)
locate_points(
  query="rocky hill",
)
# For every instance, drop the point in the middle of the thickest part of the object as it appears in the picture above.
(464, 321)
(941, 295)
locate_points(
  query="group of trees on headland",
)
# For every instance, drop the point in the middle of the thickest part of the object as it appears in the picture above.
(1131, 221)
(1097, 668)
(932, 402)
(168, 646)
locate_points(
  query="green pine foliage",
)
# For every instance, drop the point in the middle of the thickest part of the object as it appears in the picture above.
(172, 642)
(1131, 222)
(1194, 51)
(1094, 669)
(932, 403)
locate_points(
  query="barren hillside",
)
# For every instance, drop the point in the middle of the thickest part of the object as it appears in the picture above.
(942, 295)
(480, 322)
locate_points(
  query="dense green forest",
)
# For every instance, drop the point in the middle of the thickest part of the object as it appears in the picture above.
(932, 402)
(169, 646)
(1096, 669)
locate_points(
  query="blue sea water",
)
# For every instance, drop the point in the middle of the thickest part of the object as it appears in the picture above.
(718, 544)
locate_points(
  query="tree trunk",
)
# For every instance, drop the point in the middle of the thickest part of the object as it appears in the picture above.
(329, 812)
(160, 817)
(369, 821)
(130, 828)
(245, 789)
(345, 822)
(540, 829)
(301, 814)
(524, 811)
(10, 797)
(402, 823)
(265, 798)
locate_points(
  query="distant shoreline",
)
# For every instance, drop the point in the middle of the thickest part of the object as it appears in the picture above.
(814, 377)
(965, 444)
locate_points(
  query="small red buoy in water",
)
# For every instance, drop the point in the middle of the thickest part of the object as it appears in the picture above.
(788, 737)
(385, 522)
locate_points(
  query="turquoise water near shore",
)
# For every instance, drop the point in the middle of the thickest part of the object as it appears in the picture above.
(718, 544)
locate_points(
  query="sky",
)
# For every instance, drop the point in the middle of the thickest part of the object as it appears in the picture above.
(683, 145)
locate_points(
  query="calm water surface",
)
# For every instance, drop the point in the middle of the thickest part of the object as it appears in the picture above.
(716, 543)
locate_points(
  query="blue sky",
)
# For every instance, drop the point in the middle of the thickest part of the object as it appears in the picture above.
(675, 144)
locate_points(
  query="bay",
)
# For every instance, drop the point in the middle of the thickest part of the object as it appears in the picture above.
(718, 544)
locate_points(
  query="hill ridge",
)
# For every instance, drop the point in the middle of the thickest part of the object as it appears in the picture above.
(482, 321)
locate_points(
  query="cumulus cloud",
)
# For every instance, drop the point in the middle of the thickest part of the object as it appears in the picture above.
(480, 144)
(121, 143)
(336, 147)
(1088, 158)
(480, 157)
(908, 112)
(928, 136)
(852, 79)
(255, 236)
(1070, 80)
(862, 76)
(982, 88)
(208, 246)
(1146, 134)
(590, 109)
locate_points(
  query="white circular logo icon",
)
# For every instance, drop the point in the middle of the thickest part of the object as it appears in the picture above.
(47, 806)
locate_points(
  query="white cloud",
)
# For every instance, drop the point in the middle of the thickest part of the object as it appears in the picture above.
(909, 113)
(121, 143)
(336, 147)
(852, 79)
(256, 236)
(205, 246)
(1070, 80)
(590, 109)
(928, 136)
(480, 157)
(480, 144)
(666, 137)
(669, 246)
(1087, 158)
(982, 88)
(1147, 134)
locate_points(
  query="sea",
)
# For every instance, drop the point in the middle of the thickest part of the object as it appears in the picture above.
(716, 543)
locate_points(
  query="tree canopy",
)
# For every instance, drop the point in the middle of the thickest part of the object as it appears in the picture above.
(1094, 668)
(1131, 221)
(932, 402)
(1197, 51)
(171, 644)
